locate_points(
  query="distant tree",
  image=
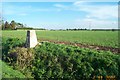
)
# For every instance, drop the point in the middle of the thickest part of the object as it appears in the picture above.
(2, 24)
(12, 24)
(7, 25)
(19, 25)
(113, 29)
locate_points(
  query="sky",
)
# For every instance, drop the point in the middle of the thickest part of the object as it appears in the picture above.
(63, 15)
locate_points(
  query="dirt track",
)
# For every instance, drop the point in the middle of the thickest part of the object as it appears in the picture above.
(96, 47)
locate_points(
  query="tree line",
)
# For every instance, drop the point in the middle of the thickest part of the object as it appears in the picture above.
(5, 25)
(75, 29)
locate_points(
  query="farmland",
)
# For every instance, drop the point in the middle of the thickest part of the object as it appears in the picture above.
(102, 38)
(51, 60)
(71, 40)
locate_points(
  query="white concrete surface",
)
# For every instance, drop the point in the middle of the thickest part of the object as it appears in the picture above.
(31, 39)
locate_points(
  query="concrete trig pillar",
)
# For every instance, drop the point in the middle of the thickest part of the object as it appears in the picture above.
(31, 39)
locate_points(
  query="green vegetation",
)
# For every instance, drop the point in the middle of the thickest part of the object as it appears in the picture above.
(21, 34)
(102, 38)
(5, 25)
(9, 43)
(10, 26)
(51, 60)
(21, 59)
(14, 53)
(8, 72)
(61, 61)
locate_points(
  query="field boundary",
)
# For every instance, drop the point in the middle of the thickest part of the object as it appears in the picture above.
(96, 47)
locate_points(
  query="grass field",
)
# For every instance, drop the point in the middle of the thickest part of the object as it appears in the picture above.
(102, 38)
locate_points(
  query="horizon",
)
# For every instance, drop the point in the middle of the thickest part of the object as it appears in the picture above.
(63, 15)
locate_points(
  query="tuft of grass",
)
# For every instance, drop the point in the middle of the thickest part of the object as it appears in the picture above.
(8, 72)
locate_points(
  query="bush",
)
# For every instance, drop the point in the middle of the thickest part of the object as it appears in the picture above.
(21, 59)
(8, 44)
(17, 56)
(61, 61)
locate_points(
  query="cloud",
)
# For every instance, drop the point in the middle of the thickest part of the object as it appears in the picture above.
(97, 24)
(13, 9)
(46, 9)
(104, 11)
(79, 3)
(60, 6)
(98, 16)
(42, 10)
(97, 11)
(102, 16)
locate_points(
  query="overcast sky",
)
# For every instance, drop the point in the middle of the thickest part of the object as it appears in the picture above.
(62, 15)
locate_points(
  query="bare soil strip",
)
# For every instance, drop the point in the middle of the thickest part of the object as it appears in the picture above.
(96, 47)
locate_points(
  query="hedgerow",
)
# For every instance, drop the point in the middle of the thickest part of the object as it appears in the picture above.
(61, 61)
(10, 43)
(50, 60)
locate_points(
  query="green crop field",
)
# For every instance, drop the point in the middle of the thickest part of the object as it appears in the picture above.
(102, 38)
